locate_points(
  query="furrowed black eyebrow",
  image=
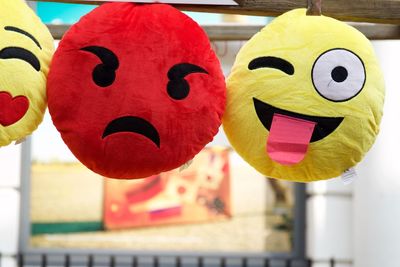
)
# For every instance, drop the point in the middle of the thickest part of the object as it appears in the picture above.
(106, 56)
(180, 71)
(27, 34)
(272, 62)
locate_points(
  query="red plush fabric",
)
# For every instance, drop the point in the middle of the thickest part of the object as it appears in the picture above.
(135, 89)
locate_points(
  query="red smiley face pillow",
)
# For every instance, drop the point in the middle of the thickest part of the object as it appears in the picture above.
(135, 90)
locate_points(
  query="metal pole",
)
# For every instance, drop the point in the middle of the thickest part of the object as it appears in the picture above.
(44, 260)
(112, 261)
(134, 262)
(21, 260)
(299, 240)
(90, 261)
(67, 262)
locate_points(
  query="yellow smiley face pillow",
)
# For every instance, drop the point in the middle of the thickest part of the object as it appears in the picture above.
(305, 98)
(26, 48)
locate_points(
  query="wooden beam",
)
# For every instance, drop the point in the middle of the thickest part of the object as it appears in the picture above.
(378, 31)
(230, 32)
(378, 11)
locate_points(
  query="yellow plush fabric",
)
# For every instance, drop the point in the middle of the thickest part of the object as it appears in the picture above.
(26, 48)
(316, 47)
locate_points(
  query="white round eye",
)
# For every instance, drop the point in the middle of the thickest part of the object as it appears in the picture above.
(338, 75)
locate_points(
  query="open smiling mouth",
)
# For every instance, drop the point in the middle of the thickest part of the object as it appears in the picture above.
(324, 126)
(291, 133)
(132, 124)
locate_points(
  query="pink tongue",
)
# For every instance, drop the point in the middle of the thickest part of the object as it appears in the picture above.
(288, 139)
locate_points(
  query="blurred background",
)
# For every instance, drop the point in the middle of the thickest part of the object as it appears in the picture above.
(219, 205)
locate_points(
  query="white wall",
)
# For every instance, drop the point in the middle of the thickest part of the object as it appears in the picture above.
(10, 161)
(330, 222)
(377, 193)
(10, 180)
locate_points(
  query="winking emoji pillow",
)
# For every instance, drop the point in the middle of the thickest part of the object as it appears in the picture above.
(26, 48)
(305, 98)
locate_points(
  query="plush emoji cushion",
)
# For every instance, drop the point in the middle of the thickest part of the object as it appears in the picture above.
(304, 98)
(135, 90)
(26, 48)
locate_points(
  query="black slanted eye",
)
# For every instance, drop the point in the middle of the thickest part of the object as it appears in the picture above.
(103, 74)
(22, 54)
(272, 62)
(178, 88)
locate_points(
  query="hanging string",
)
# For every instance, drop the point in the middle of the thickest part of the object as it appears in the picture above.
(314, 8)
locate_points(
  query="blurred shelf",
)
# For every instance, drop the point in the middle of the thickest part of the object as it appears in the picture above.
(240, 32)
(382, 11)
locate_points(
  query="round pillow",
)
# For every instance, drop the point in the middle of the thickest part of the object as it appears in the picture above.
(136, 89)
(26, 48)
(305, 98)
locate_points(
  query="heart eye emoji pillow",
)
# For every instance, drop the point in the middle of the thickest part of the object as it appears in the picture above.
(136, 90)
(305, 98)
(26, 48)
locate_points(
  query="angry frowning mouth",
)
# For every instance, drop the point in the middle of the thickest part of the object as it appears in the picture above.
(132, 124)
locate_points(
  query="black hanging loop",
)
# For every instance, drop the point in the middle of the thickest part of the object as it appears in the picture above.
(314, 8)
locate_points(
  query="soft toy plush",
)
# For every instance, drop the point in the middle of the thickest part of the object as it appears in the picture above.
(136, 90)
(304, 98)
(26, 48)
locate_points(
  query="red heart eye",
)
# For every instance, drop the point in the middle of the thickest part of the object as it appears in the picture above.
(12, 109)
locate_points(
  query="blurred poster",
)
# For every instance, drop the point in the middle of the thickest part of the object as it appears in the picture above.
(198, 194)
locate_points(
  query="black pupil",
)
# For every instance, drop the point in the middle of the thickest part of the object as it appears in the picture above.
(339, 74)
